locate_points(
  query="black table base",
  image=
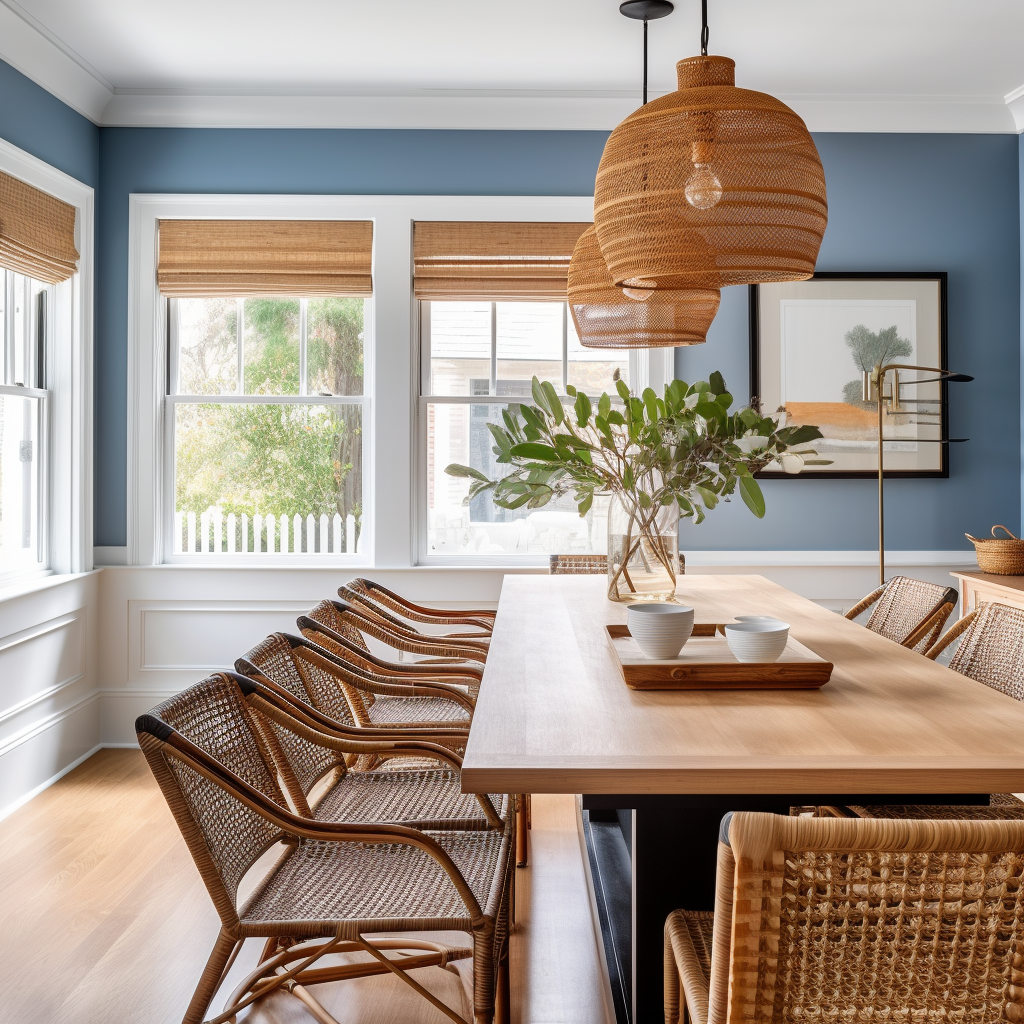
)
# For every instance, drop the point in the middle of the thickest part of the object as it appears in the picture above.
(674, 851)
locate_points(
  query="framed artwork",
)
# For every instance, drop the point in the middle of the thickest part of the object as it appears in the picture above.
(810, 342)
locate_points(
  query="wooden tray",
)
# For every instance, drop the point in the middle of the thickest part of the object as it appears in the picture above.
(706, 663)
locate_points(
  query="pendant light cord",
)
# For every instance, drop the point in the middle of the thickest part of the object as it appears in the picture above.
(645, 61)
(703, 39)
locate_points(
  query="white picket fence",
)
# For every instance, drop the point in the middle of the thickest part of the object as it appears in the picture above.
(230, 534)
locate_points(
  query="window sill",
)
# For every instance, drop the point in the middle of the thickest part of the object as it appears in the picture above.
(18, 588)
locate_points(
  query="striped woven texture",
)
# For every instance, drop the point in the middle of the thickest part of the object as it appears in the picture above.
(589, 565)
(903, 606)
(37, 232)
(992, 650)
(608, 317)
(385, 882)
(402, 797)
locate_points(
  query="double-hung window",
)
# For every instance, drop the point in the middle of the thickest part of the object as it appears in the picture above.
(265, 415)
(478, 355)
(24, 408)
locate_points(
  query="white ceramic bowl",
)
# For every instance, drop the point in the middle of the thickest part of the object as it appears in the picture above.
(661, 629)
(757, 639)
(758, 618)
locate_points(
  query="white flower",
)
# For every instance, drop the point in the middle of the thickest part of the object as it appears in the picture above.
(751, 442)
(792, 463)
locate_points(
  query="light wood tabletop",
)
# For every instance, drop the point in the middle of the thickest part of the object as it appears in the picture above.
(554, 715)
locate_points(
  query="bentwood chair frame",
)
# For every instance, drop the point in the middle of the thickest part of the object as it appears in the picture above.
(356, 598)
(355, 651)
(342, 690)
(481, 618)
(229, 822)
(408, 640)
(313, 768)
(839, 918)
(911, 612)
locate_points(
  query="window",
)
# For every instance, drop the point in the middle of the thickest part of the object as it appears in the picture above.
(478, 357)
(23, 424)
(265, 426)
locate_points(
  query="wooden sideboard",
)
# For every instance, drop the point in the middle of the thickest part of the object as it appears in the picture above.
(976, 587)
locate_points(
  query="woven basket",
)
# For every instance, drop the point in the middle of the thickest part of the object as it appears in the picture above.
(1002, 556)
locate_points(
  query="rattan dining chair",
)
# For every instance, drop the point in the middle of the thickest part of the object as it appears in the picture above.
(314, 630)
(347, 618)
(589, 565)
(368, 605)
(835, 919)
(313, 674)
(480, 618)
(911, 612)
(331, 884)
(313, 757)
(991, 651)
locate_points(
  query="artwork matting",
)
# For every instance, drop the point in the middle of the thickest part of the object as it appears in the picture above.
(809, 341)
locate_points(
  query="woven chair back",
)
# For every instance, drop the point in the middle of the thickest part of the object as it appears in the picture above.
(329, 615)
(844, 918)
(213, 715)
(590, 565)
(290, 667)
(904, 605)
(992, 649)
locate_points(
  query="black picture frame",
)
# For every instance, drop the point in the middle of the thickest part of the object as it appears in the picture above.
(824, 473)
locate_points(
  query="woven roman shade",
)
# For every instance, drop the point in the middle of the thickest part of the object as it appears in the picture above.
(265, 257)
(37, 232)
(486, 260)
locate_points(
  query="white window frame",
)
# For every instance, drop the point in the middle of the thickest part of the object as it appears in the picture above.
(66, 430)
(173, 399)
(394, 468)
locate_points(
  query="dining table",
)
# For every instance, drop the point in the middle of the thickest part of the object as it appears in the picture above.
(554, 715)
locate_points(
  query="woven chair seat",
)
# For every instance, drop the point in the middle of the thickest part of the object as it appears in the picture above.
(421, 710)
(373, 887)
(689, 935)
(417, 798)
(940, 812)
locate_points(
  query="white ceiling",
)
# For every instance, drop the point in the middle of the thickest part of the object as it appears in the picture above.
(876, 64)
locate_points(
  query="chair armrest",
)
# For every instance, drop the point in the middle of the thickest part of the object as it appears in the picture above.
(416, 688)
(863, 606)
(291, 824)
(413, 643)
(956, 630)
(424, 613)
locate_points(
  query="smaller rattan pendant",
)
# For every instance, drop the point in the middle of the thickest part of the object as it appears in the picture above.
(710, 186)
(606, 317)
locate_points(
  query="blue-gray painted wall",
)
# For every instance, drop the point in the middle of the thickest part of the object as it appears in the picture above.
(896, 202)
(36, 121)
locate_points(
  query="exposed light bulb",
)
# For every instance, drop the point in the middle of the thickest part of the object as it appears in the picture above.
(703, 189)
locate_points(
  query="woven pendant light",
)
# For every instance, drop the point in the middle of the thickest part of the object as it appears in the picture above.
(606, 317)
(710, 186)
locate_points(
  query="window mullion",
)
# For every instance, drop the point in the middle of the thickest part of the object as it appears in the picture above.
(565, 346)
(303, 321)
(493, 390)
(239, 344)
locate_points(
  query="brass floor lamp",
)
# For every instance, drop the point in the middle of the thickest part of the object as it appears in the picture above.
(893, 403)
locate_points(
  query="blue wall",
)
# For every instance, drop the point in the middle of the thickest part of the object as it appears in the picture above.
(905, 202)
(896, 202)
(293, 161)
(36, 121)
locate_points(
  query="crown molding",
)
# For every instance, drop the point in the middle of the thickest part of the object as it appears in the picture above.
(37, 54)
(511, 111)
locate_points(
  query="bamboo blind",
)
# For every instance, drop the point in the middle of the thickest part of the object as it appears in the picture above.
(265, 257)
(486, 260)
(37, 232)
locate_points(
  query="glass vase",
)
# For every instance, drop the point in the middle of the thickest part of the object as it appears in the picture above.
(643, 552)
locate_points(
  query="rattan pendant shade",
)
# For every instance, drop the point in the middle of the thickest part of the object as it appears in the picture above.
(607, 318)
(710, 186)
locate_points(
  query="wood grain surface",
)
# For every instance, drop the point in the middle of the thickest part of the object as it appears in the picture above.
(707, 663)
(554, 717)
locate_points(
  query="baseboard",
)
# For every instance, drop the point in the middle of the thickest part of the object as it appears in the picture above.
(32, 793)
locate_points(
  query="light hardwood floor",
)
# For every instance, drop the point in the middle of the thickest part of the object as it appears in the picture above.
(104, 918)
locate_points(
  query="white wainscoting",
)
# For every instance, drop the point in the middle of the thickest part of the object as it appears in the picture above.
(49, 699)
(164, 627)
